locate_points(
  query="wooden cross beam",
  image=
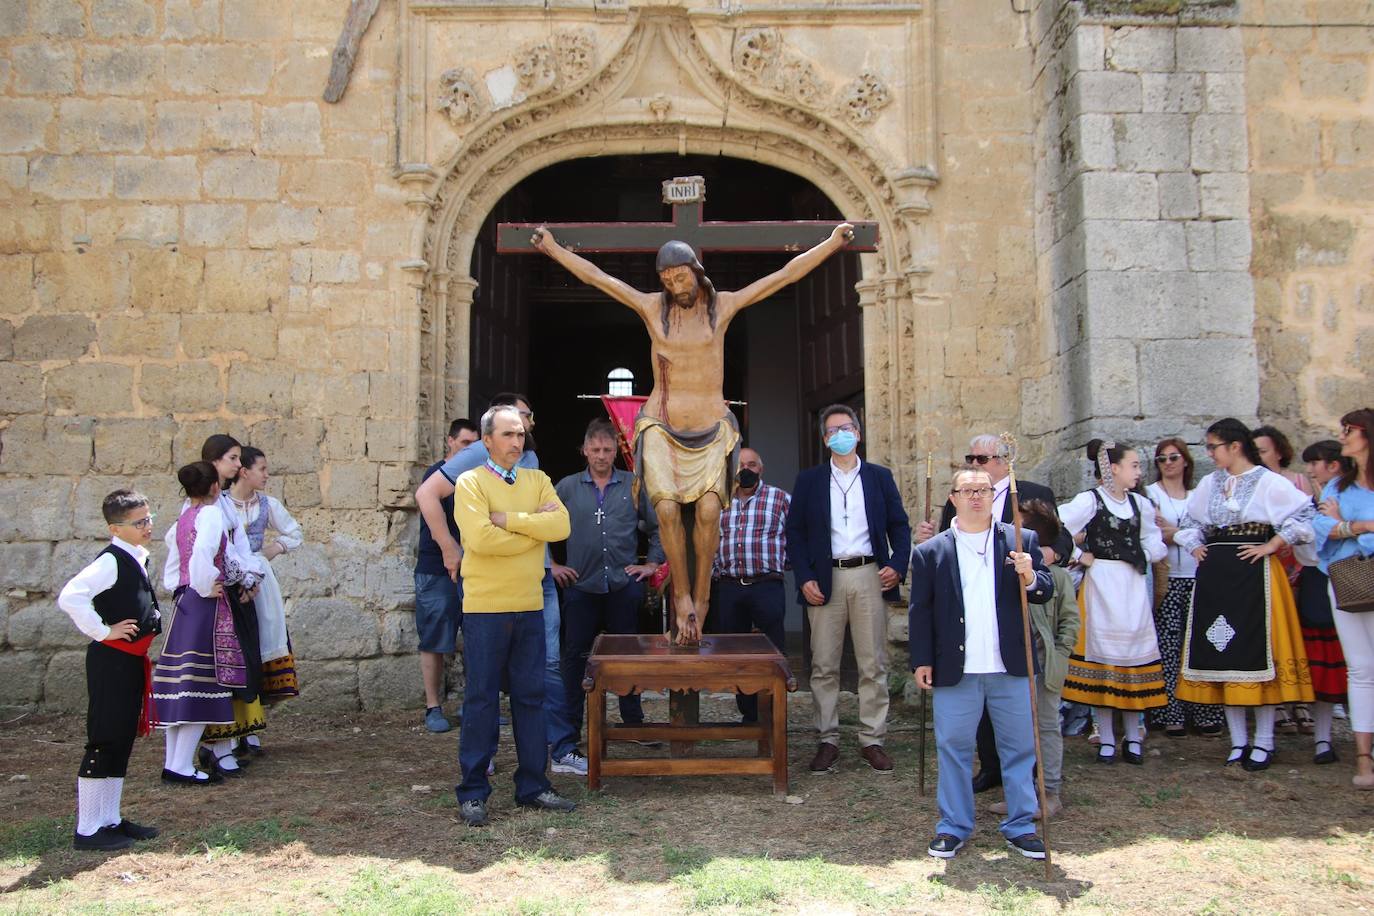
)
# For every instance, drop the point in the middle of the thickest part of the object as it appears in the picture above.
(687, 196)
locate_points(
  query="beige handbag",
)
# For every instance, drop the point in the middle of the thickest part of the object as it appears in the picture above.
(1352, 579)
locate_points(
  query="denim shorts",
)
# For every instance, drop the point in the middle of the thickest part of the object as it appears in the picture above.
(438, 612)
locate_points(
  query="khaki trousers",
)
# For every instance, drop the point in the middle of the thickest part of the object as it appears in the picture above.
(856, 601)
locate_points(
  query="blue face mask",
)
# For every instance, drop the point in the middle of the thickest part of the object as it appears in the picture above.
(842, 442)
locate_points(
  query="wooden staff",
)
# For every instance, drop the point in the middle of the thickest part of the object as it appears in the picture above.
(1010, 444)
(929, 434)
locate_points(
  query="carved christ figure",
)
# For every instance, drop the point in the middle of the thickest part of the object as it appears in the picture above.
(685, 439)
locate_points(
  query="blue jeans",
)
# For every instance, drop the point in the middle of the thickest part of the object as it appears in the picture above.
(957, 711)
(501, 646)
(737, 608)
(587, 615)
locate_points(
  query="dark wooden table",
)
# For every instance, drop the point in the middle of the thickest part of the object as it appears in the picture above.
(747, 663)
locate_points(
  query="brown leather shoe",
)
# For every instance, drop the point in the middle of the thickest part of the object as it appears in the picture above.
(825, 758)
(877, 758)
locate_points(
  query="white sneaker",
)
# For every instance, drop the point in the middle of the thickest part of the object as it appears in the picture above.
(491, 767)
(572, 763)
(1338, 711)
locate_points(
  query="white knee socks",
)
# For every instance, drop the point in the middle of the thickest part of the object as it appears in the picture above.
(1264, 727)
(1106, 731)
(96, 801)
(224, 754)
(1236, 724)
(1322, 714)
(1130, 727)
(181, 748)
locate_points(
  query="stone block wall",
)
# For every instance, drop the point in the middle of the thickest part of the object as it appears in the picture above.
(1310, 117)
(1142, 227)
(192, 242)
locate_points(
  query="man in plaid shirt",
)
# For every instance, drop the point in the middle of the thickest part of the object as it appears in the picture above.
(746, 578)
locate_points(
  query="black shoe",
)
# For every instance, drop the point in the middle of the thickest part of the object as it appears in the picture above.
(194, 779)
(1106, 759)
(1326, 756)
(473, 813)
(1028, 844)
(1210, 731)
(945, 846)
(1136, 757)
(985, 780)
(136, 831)
(243, 749)
(548, 800)
(1250, 764)
(1237, 755)
(212, 764)
(106, 839)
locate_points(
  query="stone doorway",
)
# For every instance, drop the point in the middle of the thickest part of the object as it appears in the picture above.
(536, 329)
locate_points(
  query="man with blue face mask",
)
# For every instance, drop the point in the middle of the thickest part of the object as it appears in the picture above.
(849, 541)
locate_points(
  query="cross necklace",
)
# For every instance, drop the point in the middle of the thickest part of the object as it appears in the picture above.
(844, 493)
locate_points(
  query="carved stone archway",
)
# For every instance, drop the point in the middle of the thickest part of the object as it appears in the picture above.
(600, 115)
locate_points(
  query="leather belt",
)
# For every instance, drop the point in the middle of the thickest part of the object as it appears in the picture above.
(752, 580)
(851, 562)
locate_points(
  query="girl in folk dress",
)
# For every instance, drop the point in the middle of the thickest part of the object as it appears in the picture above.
(1116, 663)
(1313, 592)
(1242, 646)
(1276, 454)
(1170, 495)
(201, 663)
(258, 513)
(223, 452)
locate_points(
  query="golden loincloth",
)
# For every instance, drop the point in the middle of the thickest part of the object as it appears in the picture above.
(683, 467)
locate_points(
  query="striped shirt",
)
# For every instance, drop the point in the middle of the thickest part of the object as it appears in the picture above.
(752, 535)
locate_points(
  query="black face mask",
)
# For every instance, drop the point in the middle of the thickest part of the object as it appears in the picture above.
(747, 479)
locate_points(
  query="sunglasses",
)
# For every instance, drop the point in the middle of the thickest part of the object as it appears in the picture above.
(978, 459)
(1168, 459)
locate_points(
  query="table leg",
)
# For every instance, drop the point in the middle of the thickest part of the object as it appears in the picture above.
(596, 734)
(765, 698)
(778, 715)
(684, 708)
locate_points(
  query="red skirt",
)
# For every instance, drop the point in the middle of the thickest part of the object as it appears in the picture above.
(1327, 663)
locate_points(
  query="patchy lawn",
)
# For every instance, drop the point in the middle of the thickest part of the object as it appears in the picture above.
(357, 814)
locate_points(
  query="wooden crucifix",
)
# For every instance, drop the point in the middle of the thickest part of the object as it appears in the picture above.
(685, 437)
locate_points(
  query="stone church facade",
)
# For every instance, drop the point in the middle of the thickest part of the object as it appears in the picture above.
(1119, 217)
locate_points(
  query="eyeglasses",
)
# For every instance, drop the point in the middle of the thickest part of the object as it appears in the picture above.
(845, 428)
(527, 414)
(1213, 446)
(1168, 459)
(142, 523)
(975, 492)
(1347, 429)
(978, 459)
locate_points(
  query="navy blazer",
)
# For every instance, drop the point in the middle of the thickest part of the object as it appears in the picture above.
(936, 620)
(808, 524)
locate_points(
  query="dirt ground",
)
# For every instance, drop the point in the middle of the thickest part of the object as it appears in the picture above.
(357, 814)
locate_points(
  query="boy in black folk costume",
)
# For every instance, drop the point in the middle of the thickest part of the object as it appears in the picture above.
(112, 602)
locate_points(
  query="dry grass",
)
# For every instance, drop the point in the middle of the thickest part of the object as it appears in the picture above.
(356, 814)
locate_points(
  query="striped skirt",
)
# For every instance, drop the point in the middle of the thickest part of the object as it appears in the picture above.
(1130, 687)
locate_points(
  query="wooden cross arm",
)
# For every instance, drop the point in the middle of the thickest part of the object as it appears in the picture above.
(793, 236)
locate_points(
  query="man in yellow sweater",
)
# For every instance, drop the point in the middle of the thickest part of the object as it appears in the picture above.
(506, 515)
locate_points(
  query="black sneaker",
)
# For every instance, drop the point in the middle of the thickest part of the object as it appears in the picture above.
(106, 839)
(548, 800)
(136, 831)
(473, 813)
(945, 845)
(1029, 845)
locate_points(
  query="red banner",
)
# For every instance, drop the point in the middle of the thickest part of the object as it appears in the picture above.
(623, 410)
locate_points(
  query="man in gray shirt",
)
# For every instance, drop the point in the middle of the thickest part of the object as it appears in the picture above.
(603, 584)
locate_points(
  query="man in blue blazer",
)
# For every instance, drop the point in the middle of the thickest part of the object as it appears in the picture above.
(849, 541)
(968, 645)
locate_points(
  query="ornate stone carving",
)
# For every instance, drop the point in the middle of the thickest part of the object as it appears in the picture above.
(862, 99)
(564, 59)
(761, 58)
(459, 97)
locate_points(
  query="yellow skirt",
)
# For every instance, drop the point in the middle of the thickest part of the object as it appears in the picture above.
(1133, 687)
(1292, 682)
(248, 718)
(279, 679)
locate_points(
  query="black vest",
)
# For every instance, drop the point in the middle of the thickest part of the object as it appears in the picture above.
(131, 597)
(1113, 538)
